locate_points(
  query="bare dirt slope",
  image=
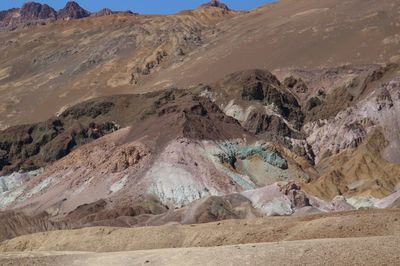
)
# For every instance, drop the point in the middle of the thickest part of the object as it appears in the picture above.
(239, 140)
(46, 67)
(15, 224)
(299, 34)
(68, 61)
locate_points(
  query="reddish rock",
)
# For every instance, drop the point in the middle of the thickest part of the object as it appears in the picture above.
(32, 11)
(103, 12)
(298, 198)
(73, 10)
(216, 3)
(339, 203)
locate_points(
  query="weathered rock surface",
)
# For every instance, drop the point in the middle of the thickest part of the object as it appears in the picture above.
(29, 13)
(216, 3)
(72, 10)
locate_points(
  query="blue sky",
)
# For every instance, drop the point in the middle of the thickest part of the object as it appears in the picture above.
(140, 6)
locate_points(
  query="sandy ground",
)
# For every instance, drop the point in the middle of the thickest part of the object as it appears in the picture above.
(231, 232)
(369, 237)
(349, 251)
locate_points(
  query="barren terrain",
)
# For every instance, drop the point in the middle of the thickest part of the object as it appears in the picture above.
(342, 238)
(207, 137)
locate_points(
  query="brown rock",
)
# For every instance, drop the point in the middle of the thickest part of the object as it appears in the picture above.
(72, 10)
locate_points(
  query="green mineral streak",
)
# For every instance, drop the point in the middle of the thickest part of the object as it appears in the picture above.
(267, 156)
(3, 186)
(230, 152)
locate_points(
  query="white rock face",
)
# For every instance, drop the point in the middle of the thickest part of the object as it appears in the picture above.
(270, 201)
(238, 112)
(41, 186)
(277, 207)
(182, 174)
(12, 186)
(381, 109)
(389, 200)
(371, 202)
(175, 186)
(362, 202)
(9, 197)
(14, 180)
(117, 186)
(189, 170)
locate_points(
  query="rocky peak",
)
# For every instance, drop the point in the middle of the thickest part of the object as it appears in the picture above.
(103, 12)
(108, 12)
(34, 11)
(216, 3)
(73, 10)
(30, 13)
(7, 16)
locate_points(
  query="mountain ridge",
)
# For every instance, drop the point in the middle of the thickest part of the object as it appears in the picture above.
(36, 13)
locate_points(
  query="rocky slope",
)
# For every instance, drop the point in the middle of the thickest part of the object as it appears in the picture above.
(294, 34)
(117, 50)
(15, 224)
(172, 146)
(125, 53)
(242, 147)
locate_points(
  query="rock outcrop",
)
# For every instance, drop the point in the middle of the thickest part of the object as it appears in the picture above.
(103, 12)
(216, 3)
(72, 10)
(32, 11)
(29, 13)
(36, 13)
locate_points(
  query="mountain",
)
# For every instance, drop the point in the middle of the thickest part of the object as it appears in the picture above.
(246, 141)
(36, 13)
(33, 11)
(129, 39)
(179, 121)
(216, 3)
(72, 10)
(180, 55)
(320, 125)
(29, 13)
(103, 12)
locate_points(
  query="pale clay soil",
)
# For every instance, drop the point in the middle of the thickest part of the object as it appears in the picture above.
(351, 238)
